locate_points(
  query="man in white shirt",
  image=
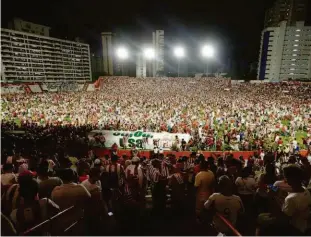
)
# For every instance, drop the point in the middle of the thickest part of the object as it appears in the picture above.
(225, 203)
(294, 215)
(297, 204)
(93, 184)
(295, 144)
(69, 193)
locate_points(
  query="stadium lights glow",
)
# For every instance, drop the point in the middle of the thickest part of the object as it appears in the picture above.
(122, 53)
(208, 51)
(179, 52)
(149, 53)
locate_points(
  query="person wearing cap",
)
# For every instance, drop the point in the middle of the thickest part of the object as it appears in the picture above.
(225, 203)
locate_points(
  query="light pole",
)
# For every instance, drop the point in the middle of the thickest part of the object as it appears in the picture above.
(122, 54)
(207, 52)
(179, 53)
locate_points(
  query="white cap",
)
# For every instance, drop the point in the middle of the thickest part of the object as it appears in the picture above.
(97, 162)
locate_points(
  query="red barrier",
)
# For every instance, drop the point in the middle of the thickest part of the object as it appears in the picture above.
(229, 225)
(100, 152)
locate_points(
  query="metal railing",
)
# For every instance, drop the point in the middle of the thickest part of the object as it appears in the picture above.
(53, 225)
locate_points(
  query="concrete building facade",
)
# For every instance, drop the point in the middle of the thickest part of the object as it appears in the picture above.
(107, 46)
(141, 69)
(158, 45)
(286, 10)
(285, 52)
(29, 57)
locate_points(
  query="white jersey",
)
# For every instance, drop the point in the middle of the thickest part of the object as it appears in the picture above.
(228, 206)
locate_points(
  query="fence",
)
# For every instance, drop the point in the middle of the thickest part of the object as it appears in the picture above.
(61, 224)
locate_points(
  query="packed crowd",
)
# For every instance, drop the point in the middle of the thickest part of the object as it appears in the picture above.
(48, 164)
(218, 115)
(112, 191)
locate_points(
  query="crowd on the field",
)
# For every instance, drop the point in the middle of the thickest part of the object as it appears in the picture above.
(48, 165)
(260, 194)
(218, 115)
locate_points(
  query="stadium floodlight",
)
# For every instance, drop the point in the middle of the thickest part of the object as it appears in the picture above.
(149, 53)
(179, 52)
(208, 51)
(122, 53)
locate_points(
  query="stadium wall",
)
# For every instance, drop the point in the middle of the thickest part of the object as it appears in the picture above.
(10, 88)
(101, 152)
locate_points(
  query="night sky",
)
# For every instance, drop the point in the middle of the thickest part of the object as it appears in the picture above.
(233, 25)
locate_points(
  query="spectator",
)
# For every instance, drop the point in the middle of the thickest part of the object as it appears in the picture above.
(97, 212)
(221, 170)
(204, 182)
(46, 183)
(93, 184)
(11, 198)
(8, 177)
(177, 184)
(32, 211)
(70, 193)
(225, 203)
(267, 178)
(295, 211)
(306, 168)
(246, 187)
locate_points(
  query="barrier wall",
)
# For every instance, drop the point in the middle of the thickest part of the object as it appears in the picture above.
(100, 152)
(10, 88)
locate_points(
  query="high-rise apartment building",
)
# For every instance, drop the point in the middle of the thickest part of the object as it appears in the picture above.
(141, 69)
(34, 58)
(107, 44)
(158, 45)
(285, 52)
(286, 10)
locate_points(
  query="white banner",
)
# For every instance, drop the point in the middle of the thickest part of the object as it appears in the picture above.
(142, 140)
